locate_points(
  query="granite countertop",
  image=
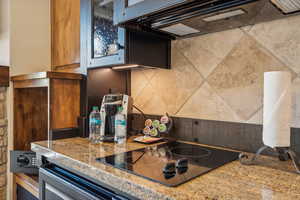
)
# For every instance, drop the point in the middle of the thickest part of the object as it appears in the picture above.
(270, 180)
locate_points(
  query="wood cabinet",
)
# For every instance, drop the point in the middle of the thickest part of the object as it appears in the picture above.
(65, 35)
(44, 103)
(4, 76)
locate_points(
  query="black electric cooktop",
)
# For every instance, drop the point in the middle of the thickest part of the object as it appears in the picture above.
(171, 163)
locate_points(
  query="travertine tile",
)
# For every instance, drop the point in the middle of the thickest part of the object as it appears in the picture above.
(149, 73)
(207, 51)
(239, 78)
(282, 38)
(247, 28)
(233, 63)
(138, 82)
(150, 102)
(177, 85)
(257, 118)
(206, 104)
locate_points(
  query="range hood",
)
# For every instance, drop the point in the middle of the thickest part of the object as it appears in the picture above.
(186, 18)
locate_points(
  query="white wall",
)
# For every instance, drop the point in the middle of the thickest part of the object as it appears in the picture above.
(4, 32)
(30, 36)
(30, 48)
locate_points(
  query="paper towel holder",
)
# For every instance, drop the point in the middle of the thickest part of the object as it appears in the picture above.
(284, 154)
(276, 119)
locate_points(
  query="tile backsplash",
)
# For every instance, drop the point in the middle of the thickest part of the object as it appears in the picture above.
(219, 76)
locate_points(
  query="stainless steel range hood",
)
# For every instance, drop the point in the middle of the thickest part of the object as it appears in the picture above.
(187, 18)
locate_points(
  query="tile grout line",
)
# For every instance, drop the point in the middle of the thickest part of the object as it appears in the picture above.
(213, 89)
(138, 94)
(271, 53)
(205, 80)
(196, 89)
(226, 103)
(193, 93)
(149, 79)
(225, 57)
(188, 60)
(255, 112)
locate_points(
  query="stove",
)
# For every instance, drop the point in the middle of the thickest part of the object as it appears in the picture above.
(171, 163)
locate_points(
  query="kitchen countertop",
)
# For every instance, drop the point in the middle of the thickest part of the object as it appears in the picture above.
(270, 180)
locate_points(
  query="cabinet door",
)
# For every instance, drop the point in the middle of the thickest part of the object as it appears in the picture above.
(104, 41)
(65, 34)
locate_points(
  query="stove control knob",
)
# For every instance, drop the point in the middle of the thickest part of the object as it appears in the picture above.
(182, 163)
(182, 170)
(169, 175)
(170, 168)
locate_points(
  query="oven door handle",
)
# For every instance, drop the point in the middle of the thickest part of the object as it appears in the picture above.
(72, 185)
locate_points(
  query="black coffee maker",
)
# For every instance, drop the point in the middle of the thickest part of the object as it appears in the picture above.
(110, 110)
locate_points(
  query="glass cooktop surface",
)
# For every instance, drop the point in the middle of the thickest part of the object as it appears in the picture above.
(170, 163)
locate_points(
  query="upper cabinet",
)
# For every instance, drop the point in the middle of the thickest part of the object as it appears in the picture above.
(65, 35)
(105, 45)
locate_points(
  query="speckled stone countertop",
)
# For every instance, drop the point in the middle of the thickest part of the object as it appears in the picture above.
(270, 180)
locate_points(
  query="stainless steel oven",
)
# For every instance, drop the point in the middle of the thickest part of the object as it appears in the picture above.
(57, 183)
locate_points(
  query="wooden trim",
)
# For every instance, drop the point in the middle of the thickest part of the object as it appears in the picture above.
(32, 83)
(41, 75)
(4, 76)
(14, 187)
(52, 29)
(37, 75)
(28, 182)
(64, 67)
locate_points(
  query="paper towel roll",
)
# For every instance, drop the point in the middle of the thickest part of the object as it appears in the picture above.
(277, 109)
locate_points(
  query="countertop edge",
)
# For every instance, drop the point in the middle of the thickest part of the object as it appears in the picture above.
(131, 190)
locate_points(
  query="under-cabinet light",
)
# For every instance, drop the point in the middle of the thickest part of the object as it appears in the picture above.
(180, 29)
(224, 15)
(133, 2)
(125, 67)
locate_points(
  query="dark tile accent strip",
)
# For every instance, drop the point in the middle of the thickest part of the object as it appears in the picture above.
(238, 136)
(64, 133)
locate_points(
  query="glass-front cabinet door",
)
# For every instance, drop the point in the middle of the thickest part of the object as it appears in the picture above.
(104, 41)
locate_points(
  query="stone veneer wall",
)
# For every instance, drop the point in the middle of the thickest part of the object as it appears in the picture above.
(3, 142)
(219, 76)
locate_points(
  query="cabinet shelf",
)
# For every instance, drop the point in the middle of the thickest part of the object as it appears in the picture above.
(45, 102)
